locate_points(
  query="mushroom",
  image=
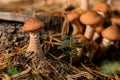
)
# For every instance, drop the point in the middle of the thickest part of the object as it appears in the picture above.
(97, 33)
(73, 19)
(82, 39)
(33, 26)
(102, 8)
(92, 48)
(115, 21)
(91, 19)
(110, 35)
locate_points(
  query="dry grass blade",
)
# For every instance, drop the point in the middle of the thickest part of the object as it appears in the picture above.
(22, 73)
(99, 74)
(75, 76)
(74, 69)
(4, 76)
(65, 27)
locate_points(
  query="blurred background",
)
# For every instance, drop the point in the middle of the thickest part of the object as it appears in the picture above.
(47, 4)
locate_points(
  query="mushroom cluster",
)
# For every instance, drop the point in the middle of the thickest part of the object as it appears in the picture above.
(98, 25)
(88, 24)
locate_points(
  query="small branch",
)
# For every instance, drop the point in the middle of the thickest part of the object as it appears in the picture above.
(4, 76)
(10, 16)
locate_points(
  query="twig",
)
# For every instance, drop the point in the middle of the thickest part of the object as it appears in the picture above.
(54, 38)
(22, 50)
(57, 43)
(22, 73)
(86, 74)
(55, 70)
(10, 16)
(76, 70)
(4, 76)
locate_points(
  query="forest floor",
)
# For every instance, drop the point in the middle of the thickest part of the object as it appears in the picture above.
(16, 64)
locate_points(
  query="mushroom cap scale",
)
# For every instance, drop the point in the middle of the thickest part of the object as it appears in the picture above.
(91, 18)
(111, 33)
(32, 24)
(102, 7)
(116, 20)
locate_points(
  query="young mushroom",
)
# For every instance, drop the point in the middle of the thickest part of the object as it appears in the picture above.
(73, 18)
(110, 35)
(33, 26)
(92, 48)
(81, 39)
(91, 19)
(97, 33)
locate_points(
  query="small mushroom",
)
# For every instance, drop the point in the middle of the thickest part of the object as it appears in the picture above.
(73, 18)
(91, 19)
(82, 39)
(97, 33)
(102, 8)
(33, 26)
(92, 48)
(110, 35)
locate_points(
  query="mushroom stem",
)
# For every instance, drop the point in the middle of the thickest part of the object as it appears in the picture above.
(77, 28)
(109, 2)
(105, 44)
(80, 51)
(77, 57)
(95, 36)
(89, 32)
(34, 44)
(92, 48)
(84, 4)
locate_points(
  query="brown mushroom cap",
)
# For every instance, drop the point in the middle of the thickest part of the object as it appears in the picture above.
(72, 16)
(99, 29)
(81, 38)
(32, 24)
(102, 7)
(116, 20)
(91, 18)
(111, 33)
